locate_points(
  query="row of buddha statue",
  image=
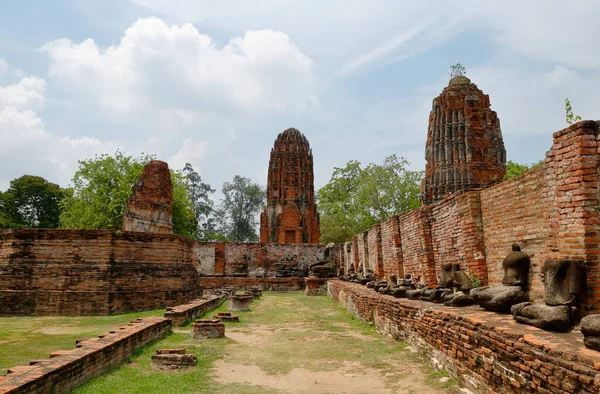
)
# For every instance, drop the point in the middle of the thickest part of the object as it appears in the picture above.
(564, 284)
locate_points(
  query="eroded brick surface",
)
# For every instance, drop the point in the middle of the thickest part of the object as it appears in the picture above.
(464, 149)
(291, 214)
(489, 352)
(92, 357)
(150, 207)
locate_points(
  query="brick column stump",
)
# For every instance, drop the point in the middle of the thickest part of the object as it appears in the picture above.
(226, 316)
(240, 302)
(315, 286)
(208, 329)
(173, 359)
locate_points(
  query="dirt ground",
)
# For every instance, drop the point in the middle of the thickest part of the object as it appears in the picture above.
(316, 351)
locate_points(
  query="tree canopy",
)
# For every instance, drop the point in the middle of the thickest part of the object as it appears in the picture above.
(31, 201)
(356, 198)
(515, 169)
(241, 203)
(102, 185)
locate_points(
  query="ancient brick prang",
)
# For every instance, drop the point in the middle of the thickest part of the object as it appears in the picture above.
(150, 207)
(291, 214)
(464, 148)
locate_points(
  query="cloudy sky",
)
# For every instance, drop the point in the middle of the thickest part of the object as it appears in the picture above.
(213, 82)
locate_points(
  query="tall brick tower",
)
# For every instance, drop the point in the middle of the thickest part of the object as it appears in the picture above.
(291, 214)
(464, 149)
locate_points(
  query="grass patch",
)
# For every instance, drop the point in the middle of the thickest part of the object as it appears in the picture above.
(281, 333)
(25, 338)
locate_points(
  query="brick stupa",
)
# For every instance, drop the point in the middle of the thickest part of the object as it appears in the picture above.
(464, 149)
(291, 214)
(150, 207)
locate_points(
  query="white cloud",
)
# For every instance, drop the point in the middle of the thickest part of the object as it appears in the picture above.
(3, 66)
(161, 66)
(190, 152)
(351, 33)
(27, 148)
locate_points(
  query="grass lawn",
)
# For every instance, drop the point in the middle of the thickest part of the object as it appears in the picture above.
(27, 338)
(288, 342)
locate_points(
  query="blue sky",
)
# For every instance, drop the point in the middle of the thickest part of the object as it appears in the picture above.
(213, 83)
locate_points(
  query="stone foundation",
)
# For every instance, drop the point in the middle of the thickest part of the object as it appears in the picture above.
(183, 313)
(226, 316)
(487, 352)
(208, 329)
(241, 283)
(240, 302)
(315, 286)
(173, 359)
(67, 369)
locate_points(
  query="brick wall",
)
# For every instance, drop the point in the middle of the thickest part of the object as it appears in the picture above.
(391, 249)
(487, 352)
(516, 211)
(99, 272)
(93, 272)
(274, 284)
(457, 234)
(375, 258)
(552, 212)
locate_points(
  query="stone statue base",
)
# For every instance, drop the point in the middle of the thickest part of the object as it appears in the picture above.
(590, 328)
(458, 299)
(546, 317)
(498, 298)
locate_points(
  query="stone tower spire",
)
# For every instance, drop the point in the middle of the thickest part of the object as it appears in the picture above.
(291, 214)
(464, 149)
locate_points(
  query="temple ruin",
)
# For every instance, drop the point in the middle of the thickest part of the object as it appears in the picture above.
(291, 214)
(444, 277)
(464, 149)
(150, 207)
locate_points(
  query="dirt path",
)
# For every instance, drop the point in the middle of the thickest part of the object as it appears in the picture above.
(291, 343)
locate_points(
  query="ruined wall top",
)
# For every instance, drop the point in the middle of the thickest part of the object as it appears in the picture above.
(150, 206)
(290, 215)
(464, 149)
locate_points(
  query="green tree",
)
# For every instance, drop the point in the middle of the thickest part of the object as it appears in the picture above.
(203, 207)
(356, 198)
(184, 216)
(241, 203)
(102, 185)
(31, 201)
(515, 169)
(457, 70)
(569, 117)
(340, 211)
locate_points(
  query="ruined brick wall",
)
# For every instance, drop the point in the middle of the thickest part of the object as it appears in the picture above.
(67, 369)
(291, 214)
(457, 234)
(552, 212)
(93, 272)
(375, 257)
(273, 284)
(348, 257)
(486, 351)
(516, 211)
(464, 149)
(417, 248)
(99, 272)
(150, 207)
(572, 183)
(271, 260)
(391, 249)
(362, 251)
